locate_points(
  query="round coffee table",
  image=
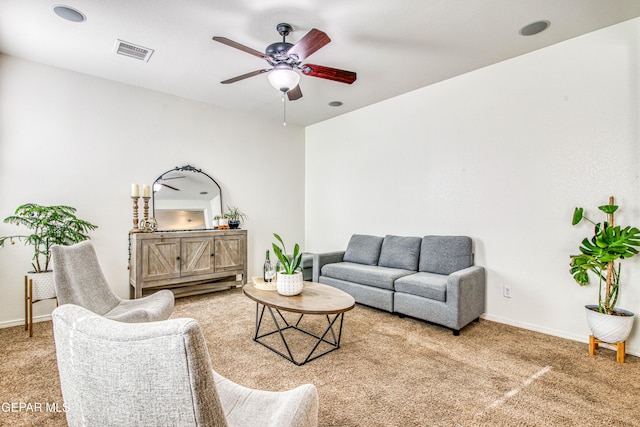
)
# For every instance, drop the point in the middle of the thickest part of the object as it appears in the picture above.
(315, 299)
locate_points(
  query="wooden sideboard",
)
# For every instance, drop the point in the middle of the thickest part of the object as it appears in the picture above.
(187, 262)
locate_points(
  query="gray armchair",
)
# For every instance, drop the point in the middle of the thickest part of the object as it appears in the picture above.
(79, 280)
(159, 374)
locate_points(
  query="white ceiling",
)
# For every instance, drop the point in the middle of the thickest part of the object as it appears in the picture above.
(394, 46)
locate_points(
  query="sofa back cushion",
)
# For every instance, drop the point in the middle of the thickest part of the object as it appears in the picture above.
(363, 249)
(400, 252)
(445, 254)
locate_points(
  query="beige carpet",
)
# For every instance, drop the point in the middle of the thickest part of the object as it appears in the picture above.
(388, 372)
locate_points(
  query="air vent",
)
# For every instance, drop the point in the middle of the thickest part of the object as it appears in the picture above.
(132, 51)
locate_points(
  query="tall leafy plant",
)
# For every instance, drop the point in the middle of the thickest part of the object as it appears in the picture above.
(50, 225)
(289, 264)
(601, 255)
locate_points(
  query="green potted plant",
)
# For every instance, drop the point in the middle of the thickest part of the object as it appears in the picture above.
(235, 216)
(601, 256)
(49, 225)
(289, 279)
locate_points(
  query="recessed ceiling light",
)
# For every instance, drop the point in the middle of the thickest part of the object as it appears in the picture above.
(69, 13)
(335, 103)
(534, 28)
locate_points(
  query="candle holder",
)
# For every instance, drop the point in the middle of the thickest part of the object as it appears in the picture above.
(135, 228)
(146, 208)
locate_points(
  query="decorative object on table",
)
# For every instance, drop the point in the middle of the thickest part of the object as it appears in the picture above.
(289, 280)
(135, 195)
(235, 216)
(216, 221)
(268, 270)
(259, 283)
(51, 225)
(148, 225)
(601, 255)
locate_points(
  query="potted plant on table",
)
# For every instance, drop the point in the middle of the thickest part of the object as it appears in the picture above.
(289, 280)
(601, 256)
(235, 216)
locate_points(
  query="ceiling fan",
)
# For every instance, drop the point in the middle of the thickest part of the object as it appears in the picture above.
(285, 61)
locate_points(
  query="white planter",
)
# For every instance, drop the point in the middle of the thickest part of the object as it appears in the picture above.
(223, 222)
(609, 328)
(289, 284)
(43, 285)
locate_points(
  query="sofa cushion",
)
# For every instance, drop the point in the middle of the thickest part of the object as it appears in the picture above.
(445, 254)
(426, 285)
(370, 275)
(363, 249)
(400, 252)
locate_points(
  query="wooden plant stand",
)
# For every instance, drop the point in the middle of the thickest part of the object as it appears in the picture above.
(593, 346)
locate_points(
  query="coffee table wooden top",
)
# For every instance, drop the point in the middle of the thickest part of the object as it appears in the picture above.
(315, 298)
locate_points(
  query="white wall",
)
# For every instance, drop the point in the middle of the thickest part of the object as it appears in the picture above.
(67, 138)
(503, 154)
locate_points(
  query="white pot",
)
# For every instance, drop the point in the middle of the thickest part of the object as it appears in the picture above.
(607, 327)
(223, 222)
(43, 285)
(289, 284)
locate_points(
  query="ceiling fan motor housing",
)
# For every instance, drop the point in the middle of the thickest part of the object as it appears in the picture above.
(278, 51)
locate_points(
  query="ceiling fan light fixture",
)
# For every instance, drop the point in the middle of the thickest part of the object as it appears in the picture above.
(283, 77)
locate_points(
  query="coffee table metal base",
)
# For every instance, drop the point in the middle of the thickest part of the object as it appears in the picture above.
(329, 336)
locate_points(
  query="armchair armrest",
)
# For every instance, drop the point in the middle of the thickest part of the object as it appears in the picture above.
(321, 259)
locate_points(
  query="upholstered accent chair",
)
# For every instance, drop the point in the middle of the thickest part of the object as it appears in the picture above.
(79, 280)
(159, 374)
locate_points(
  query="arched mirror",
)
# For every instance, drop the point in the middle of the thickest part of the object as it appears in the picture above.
(185, 198)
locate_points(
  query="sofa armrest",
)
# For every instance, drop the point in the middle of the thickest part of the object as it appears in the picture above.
(466, 290)
(321, 259)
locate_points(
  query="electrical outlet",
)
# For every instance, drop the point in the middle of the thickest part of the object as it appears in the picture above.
(506, 291)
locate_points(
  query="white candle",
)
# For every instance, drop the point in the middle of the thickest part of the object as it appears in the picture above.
(135, 190)
(146, 191)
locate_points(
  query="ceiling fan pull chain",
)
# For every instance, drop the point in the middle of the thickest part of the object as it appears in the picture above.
(284, 110)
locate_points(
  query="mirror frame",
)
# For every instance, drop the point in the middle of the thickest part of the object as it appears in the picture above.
(186, 168)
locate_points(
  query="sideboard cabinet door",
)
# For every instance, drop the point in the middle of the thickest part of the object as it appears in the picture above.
(230, 253)
(160, 259)
(197, 256)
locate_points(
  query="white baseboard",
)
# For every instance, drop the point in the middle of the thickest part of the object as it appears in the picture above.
(36, 319)
(573, 337)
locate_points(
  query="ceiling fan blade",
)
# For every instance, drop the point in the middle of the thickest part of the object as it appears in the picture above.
(328, 73)
(310, 43)
(294, 93)
(245, 76)
(239, 46)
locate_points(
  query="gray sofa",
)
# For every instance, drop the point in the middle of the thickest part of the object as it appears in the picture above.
(430, 278)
